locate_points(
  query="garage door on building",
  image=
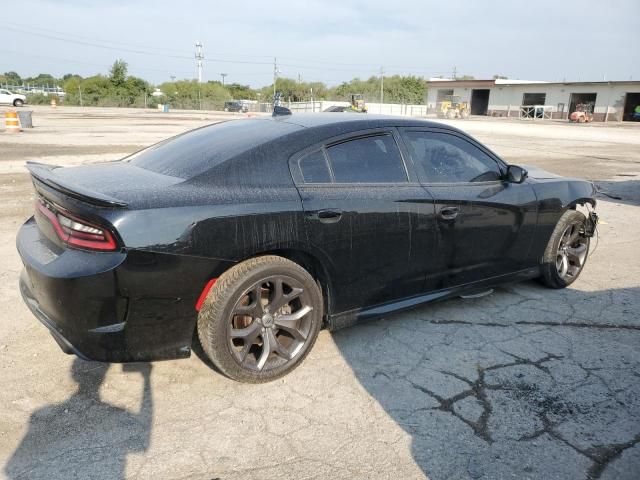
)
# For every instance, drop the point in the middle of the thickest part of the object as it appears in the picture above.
(479, 101)
(631, 107)
(587, 99)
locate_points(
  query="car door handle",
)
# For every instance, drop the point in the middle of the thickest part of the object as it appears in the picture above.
(329, 215)
(449, 213)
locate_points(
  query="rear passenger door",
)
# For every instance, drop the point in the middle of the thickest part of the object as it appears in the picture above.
(367, 217)
(485, 224)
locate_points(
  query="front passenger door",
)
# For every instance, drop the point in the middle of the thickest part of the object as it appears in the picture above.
(367, 217)
(485, 224)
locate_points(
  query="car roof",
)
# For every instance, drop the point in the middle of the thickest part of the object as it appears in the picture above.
(261, 142)
(355, 120)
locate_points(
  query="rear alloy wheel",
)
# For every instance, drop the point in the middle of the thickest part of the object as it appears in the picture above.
(566, 251)
(260, 319)
(18, 103)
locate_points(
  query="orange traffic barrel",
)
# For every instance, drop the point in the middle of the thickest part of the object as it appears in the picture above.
(11, 123)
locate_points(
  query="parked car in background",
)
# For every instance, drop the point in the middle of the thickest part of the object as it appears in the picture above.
(256, 233)
(57, 91)
(235, 106)
(337, 108)
(15, 99)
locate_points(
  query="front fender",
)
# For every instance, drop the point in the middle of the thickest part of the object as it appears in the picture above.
(555, 196)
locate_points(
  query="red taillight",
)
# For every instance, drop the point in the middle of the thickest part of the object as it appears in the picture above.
(77, 232)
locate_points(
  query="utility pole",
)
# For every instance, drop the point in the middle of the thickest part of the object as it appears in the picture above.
(80, 92)
(313, 105)
(381, 88)
(199, 58)
(455, 72)
(275, 75)
(223, 75)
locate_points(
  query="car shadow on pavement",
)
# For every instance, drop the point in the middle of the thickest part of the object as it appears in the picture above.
(84, 433)
(524, 383)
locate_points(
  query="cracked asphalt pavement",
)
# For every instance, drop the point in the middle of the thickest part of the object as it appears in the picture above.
(527, 382)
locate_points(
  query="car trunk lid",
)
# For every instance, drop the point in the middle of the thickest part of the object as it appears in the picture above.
(72, 204)
(110, 185)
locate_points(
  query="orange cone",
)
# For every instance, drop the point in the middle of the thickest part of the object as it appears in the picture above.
(12, 125)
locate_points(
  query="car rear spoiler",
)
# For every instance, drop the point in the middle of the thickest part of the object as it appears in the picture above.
(45, 174)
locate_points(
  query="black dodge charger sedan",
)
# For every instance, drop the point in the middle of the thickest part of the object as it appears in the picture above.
(256, 233)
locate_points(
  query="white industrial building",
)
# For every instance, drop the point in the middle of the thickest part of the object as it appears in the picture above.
(611, 101)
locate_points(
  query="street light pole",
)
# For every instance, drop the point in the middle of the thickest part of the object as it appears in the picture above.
(223, 75)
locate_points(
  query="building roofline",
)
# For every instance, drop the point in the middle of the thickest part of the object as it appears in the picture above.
(507, 83)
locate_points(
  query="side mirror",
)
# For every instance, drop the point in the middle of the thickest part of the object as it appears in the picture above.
(516, 174)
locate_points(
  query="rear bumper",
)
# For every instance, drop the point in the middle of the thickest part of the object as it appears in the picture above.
(73, 293)
(113, 306)
(56, 332)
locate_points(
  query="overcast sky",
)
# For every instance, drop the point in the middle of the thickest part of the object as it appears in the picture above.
(325, 40)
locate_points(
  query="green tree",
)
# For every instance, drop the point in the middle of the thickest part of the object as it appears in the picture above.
(96, 90)
(500, 77)
(397, 89)
(12, 78)
(295, 91)
(241, 92)
(71, 88)
(118, 72)
(189, 94)
(41, 79)
(68, 76)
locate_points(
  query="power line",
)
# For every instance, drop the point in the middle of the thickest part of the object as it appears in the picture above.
(132, 50)
(80, 62)
(145, 50)
(304, 65)
(34, 30)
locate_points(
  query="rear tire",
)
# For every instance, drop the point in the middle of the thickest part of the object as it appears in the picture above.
(567, 251)
(261, 319)
(18, 103)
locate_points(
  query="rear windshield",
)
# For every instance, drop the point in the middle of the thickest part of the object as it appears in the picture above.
(197, 151)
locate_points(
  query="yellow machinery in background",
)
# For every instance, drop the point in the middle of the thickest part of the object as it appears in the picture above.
(357, 103)
(451, 107)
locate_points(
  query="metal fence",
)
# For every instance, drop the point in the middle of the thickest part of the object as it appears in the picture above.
(34, 89)
(533, 112)
(401, 109)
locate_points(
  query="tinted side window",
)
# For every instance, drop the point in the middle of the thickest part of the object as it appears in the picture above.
(444, 158)
(373, 159)
(314, 168)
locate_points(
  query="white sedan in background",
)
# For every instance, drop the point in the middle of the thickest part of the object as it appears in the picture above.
(15, 99)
